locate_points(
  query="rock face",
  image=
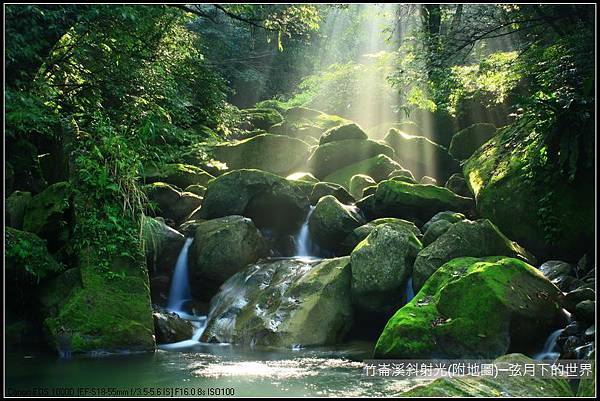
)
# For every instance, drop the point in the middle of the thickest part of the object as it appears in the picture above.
(422, 156)
(342, 132)
(516, 386)
(269, 200)
(358, 183)
(221, 248)
(331, 221)
(277, 154)
(333, 156)
(47, 214)
(415, 202)
(170, 328)
(465, 238)
(16, 204)
(473, 308)
(515, 196)
(378, 168)
(171, 203)
(180, 175)
(322, 189)
(162, 245)
(282, 303)
(465, 142)
(381, 265)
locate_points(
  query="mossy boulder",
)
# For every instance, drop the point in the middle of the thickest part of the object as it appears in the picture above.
(381, 266)
(473, 308)
(331, 221)
(277, 154)
(381, 130)
(378, 168)
(457, 184)
(415, 202)
(536, 206)
(322, 189)
(48, 214)
(449, 216)
(15, 205)
(106, 314)
(306, 124)
(343, 132)
(170, 203)
(302, 176)
(402, 174)
(359, 234)
(221, 248)
(162, 245)
(196, 189)
(465, 142)
(421, 155)
(261, 118)
(269, 200)
(358, 183)
(170, 328)
(514, 386)
(435, 230)
(333, 156)
(283, 303)
(180, 175)
(57, 290)
(465, 238)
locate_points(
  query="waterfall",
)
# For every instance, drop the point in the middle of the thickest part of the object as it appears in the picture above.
(410, 292)
(303, 242)
(550, 348)
(180, 286)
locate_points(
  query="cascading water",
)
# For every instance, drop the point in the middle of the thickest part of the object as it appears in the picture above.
(304, 246)
(550, 351)
(180, 286)
(410, 292)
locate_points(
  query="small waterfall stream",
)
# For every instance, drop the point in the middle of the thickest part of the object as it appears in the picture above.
(180, 286)
(550, 351)
(304, 246)
(410, 292)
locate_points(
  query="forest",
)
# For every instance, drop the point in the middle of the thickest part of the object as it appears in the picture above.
(254, 199)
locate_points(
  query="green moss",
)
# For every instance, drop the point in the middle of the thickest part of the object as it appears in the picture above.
(305, 123)
(26, 256)
(331, 221)
(178, 174)
(47, 213)
(472, 308)
(378, 168)
(342, 132)
(261, 118)
(302, 176)
(358, 183)
(16, 204)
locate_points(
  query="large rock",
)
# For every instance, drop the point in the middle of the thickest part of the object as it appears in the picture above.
(465, 142)
(415, 202)
(381, 266)
(449, 216)
(261, 118)
(277, 154)
(302, 176)
(322, 189)
(171, 203)
(180, 175)
(536, 206)
(170, 328)
(422, 156)
(342, 132)
(306, 124)
(359, 234)
(333, 156)
(269, 200)
(378, 168)
(457, 184)
(515, 386)
(331, 221)
(16, 204)
(283, 303)
(162, 245)
(474, 308)
(465, 238)
(48, 214)
(221, 248)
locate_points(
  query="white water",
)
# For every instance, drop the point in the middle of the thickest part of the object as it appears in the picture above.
(180, 286)
(550, 351)
(304, 246)
(410, 292)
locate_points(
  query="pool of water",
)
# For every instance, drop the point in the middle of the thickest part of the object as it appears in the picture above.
(197, 369)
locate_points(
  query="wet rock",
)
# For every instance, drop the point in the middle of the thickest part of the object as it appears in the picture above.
(221, 248)
(590, 333)
(555, 268)
(473, 308)
(159, 289)
(331, 221)
(378, 168)
(381, 265)
(170, 202)
(586, 311)
(188, 228)
(572, 298)
(170, 328)
(282, 303)
(466, 238)
(322, 189)
(359, 234)
(162, 245)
